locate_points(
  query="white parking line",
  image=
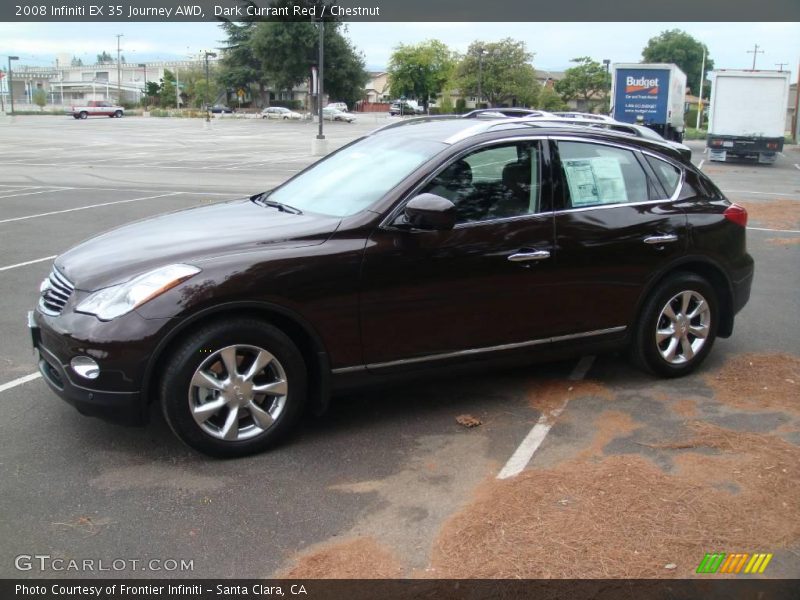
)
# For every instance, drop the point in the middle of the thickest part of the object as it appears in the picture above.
(775, 230)
(26, 263)
(59, 189)
(796, 166)
(700, 166)
(58, 212)
(525, 451)
(20, 381)
(763, 193)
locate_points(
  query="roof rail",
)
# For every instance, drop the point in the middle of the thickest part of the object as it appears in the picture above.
(414, 120)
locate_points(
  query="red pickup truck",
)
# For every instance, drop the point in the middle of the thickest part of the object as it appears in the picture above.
(96, 108)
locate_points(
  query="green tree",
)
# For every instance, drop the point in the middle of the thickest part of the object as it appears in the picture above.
(166, 91)
(39, 98)
(587, 81)
(104, 58)
(678, 47)
(550, 100)
(421, 70)
(501, 70)
(287, 51)
(240, 67)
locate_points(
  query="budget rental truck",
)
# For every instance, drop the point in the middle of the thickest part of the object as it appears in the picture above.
(747, 114)
(650, 94)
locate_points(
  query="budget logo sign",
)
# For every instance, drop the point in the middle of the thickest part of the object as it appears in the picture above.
(635, 85)
(720, 562)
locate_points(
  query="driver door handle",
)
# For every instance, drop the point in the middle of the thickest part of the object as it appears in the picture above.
(661, 239)
(526, 256)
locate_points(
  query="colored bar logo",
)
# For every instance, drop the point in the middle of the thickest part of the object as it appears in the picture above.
(720, 562)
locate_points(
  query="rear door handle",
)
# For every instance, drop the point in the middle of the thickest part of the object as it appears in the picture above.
(526, 256)
(661, 239)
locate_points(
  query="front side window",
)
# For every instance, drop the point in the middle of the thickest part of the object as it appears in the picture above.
(492, 183)
(597, 174)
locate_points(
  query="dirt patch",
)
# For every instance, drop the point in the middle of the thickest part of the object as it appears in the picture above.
(784, 241)
(758, 381)
(684, 408)
(549, 396)
(359, 558)
(621, 516)
(778, 214)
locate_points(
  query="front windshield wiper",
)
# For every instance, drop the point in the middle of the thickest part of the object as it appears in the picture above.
(261, 199)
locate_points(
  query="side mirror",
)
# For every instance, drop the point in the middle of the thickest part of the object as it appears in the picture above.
(429, 211)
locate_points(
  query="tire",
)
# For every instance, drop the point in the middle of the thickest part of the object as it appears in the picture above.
(76, 117)
(83, 114)
(675, 347)
(201, 359)
(118, 114)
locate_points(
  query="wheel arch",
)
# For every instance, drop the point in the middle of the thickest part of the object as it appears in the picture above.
(296, 327)
(708, 270)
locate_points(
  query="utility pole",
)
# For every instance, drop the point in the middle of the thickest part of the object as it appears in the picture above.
(481, 51)
(780, 66)
(755, 52)
(10, 84)
(796, 106)
(119, 71)
(208, 85)
(320, 87)
(700, 95)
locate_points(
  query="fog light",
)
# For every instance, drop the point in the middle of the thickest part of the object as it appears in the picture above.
(85, 367)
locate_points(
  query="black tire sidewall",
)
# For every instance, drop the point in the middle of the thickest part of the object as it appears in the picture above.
(645, 349)
(183, 362)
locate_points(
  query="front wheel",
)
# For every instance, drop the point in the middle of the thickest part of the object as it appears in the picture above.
(677, 327)
(83, 114)
(118, 114)
(234, 388)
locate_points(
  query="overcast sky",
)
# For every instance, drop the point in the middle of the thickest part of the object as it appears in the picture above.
(554, 43)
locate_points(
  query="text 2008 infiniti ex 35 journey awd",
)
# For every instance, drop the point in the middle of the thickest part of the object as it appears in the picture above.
(423, 243)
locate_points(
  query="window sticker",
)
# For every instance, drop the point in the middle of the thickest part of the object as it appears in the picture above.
(596, 180)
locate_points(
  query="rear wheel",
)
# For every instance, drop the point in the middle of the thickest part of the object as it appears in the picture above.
(118, 114)
(678, 326)
(83, 114)
(234, 388)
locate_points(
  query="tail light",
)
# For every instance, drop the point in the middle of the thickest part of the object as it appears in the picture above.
(736, 214)
(772, 145)
(716, 142)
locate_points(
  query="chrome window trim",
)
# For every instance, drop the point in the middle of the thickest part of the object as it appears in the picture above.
(472, 351)
(630, 148)
(387, 221)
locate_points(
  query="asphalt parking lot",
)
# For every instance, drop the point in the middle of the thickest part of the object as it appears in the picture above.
(636, 477)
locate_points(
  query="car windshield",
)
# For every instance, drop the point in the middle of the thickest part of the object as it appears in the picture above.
(356, 177)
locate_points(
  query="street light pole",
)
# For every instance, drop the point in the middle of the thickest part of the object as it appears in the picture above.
(208, 85)
(119, 71)
(320, 86)
(480, 75)
(144, 66)
(10, 84)
(700, 95)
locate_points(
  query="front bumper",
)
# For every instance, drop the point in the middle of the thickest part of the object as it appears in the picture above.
(116, 395)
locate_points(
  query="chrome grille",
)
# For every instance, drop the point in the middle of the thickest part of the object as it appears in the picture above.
(55, 292)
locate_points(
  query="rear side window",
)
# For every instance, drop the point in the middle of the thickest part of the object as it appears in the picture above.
(668, 174)
(597, 174)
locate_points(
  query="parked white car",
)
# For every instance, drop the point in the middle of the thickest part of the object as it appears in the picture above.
(279, 112)
(338, 106)
(334, 114)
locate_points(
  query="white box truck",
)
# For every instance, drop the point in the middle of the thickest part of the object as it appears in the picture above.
(651, 94)
(747, 114)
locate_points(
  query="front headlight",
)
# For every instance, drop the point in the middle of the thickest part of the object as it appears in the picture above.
(117, 300)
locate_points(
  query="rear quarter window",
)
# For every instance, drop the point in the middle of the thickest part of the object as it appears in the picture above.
(668, 174)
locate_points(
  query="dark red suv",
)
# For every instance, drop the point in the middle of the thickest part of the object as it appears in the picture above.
(423, 243)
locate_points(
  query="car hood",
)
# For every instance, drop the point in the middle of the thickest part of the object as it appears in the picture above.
(188, 236)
